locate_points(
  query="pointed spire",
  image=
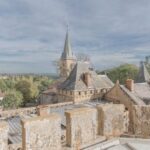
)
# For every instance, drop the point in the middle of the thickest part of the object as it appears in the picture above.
(143, 75)
(67, 53)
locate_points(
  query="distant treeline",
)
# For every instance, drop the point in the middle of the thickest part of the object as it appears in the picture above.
(22, 89)
(122, 72)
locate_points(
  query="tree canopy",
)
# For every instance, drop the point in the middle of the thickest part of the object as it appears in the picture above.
(28, 86)
(12, 99)
(122, 73)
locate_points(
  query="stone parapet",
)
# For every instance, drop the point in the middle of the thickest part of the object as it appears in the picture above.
(81, 126)
(42, 133)
(4, 135)
(112, 120)
(29, 110)
(141, 120)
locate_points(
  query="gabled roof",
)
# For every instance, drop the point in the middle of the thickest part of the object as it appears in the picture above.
(67, 53)
(117, 88)
(136, 99)
(143, 75)
(142, 90)
(75, 79)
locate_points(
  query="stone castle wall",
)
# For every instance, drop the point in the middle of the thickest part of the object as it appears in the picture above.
(29, 110)
(3, 136)
(141, 116)
(41, 133)
(112, 120)
(80, 96)
(81, 126)
(118, 96)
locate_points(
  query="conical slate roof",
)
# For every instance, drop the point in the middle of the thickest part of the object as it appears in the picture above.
(143, 75)
(67, 53)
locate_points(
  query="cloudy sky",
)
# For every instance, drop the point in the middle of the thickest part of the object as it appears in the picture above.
(112, 32)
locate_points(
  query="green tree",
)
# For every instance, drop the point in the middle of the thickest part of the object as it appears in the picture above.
(28, 89)
(122, 73)
(12, 99)
(3, 85)
(44, 84)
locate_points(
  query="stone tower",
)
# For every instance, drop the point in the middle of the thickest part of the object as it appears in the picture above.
(67, 60)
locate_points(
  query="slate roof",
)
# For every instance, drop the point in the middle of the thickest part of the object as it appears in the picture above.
(135, 98)
(142, 90)
(143, 75)
(67, 53)
(75, 79)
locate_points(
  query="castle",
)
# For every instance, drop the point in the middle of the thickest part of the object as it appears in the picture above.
(82, 111)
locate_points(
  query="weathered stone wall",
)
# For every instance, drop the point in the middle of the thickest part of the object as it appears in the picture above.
(15, 112)
(29, 110)
(42, 133)
(43, 110)
(118, 96)
(81, 126)
(80, 96)
(3, 135)
(141, 118)
(15, 146)
(112, 119)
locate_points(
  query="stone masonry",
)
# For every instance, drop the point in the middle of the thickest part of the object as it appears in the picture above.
(43, 110)
(42, 133)
(3, 136)
(81, 126)
(141, 118)
(112, 120)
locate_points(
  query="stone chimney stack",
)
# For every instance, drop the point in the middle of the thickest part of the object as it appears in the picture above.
(87, 79)
(130, 85)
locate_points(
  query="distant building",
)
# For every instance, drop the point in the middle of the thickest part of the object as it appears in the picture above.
(83, 84)
(78, 82)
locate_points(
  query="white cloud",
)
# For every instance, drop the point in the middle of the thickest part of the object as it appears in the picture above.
(33, 31)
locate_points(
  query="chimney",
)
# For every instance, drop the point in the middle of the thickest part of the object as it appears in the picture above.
(87, 79)
(130, 85)
(42, 110)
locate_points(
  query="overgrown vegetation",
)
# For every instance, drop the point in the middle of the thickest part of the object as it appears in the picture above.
(20, 90)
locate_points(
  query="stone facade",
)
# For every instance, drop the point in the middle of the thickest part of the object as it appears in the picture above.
(42, 133)
(141, 117)
(120, 95)
(112, 119)
(66, 67)
(3, 136)
(81, 96)
(81, 126)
